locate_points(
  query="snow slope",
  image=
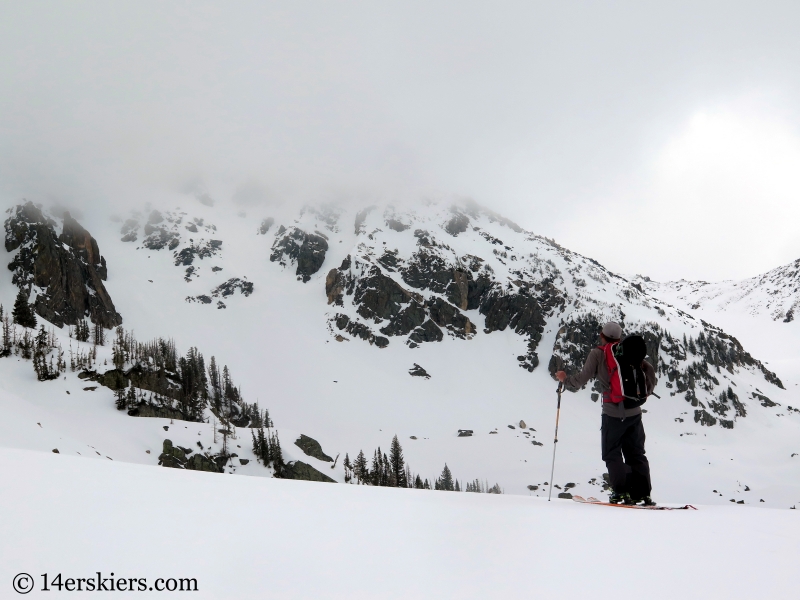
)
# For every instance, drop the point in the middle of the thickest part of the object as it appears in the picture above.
(291, 539)
(760, 311)
(351, 395)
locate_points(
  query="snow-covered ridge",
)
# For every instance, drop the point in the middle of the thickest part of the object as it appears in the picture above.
(775, 293)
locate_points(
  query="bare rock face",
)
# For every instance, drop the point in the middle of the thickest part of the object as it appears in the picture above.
(524, 312)
(306, 250)
(382, 301)
(417, 371)
(312, 448)
(68, 270)
(305, 472)
(457, 224)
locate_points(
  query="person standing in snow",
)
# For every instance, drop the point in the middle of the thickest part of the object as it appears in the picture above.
(622, 431)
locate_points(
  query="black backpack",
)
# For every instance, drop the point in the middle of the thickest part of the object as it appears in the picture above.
(630, 353)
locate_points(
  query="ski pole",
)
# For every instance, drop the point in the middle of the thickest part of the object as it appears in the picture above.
(555, 440)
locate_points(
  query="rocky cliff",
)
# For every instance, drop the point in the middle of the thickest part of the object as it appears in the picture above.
(64, 273)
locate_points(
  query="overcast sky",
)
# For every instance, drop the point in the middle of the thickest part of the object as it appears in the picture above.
(659, 138)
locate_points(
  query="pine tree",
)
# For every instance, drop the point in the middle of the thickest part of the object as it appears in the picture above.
(118, 349)
(40, 350)
(121, 401)
(397, 464)
(82, 331)
(131, 396)
(375, 472)
(213, 380)
(22, 312)
(418, 483)
(445, 481)
(360, 467)
(99, 335)
(5, 348)
(277, 459)
(26, 345)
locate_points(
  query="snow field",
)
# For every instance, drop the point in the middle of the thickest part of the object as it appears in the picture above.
(245, 537)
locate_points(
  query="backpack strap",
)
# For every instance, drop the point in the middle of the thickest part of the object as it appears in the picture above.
(615, 393)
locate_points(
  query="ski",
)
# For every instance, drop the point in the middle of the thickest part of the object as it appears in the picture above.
(591, 500)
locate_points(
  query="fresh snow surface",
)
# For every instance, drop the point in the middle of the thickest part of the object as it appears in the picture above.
(352, 395)
(245, 537)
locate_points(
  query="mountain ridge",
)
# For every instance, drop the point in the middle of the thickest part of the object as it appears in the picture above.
(456, 291)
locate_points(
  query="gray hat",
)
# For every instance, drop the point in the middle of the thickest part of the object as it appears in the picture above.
(612, 330)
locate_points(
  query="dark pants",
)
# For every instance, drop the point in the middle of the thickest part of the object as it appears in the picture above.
(625, 438)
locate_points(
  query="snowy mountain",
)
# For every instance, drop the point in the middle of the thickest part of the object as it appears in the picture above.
(775, 294)
(759, 310)
(354, 324)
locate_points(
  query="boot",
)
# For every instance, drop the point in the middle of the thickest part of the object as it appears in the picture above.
(620, 498)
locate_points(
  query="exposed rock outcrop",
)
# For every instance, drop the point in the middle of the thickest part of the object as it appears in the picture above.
(524, 311)
(312, 448)
(457, 224)
(67, 271)
(202, 249)
(178, 457)
(306, 250)
(417, 371)
(305, 472)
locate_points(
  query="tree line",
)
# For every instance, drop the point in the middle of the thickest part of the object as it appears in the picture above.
(392, 471)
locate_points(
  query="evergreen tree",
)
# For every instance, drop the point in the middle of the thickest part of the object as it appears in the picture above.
(40, 350)
(213, 380)
(99, 335)
(118, 349)
(445, 481)
(82, 331)
(360, 469)
(387, 477)
(5, 349)
(120, 401)
(397, 464)
(377, 466)
(277, 458)
(418, 483)
(22, 312)
(26, 345)
(131, 396)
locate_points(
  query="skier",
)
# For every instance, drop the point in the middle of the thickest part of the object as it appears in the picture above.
(622, 432)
